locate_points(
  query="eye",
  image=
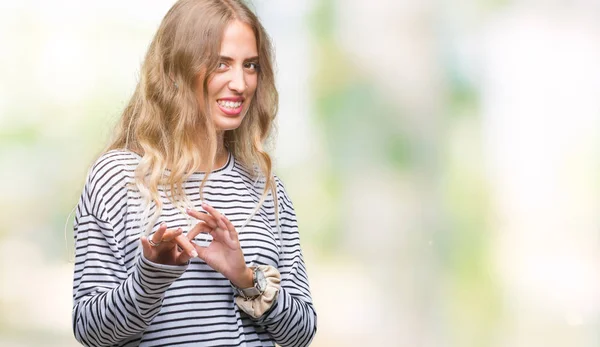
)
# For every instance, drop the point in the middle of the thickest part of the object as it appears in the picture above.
(221, 66)
(251, 66)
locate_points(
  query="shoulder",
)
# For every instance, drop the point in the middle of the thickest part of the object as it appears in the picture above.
(283, 197)
(111, 164)
(256, 180)
(239, 170)
(279, 184)
(112, 171)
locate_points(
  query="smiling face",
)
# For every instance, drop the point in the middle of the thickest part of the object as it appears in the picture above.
(232, 86)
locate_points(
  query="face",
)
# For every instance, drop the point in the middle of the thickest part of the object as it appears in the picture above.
(232, 86)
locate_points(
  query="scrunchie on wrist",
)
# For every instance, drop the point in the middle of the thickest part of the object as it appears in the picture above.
(256, 307)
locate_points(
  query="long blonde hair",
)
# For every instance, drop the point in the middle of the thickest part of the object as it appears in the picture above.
(170, 126)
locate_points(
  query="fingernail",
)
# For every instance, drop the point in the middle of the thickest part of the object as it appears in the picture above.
(188, 211)
(194, 254)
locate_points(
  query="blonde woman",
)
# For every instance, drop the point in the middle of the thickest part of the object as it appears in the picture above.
(183, 234)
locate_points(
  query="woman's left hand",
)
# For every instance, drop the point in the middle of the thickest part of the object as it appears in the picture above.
(224, 254)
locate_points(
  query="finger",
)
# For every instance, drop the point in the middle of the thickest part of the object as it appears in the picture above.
(183, 258)
(216, 214)
(158, 235)
(166, 243)
(228, 240)
(201, 227)
(232, 232)
(146, 247)
(171, 234)
(184, 255)
(200, 250)
(220, 218)
(217, 234)
(186, 245)
(208, 219)
(222, 224)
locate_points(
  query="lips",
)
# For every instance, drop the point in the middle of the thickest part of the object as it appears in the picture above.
(231, 106)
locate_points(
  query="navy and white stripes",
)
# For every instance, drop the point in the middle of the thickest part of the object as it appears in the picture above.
(122, 299)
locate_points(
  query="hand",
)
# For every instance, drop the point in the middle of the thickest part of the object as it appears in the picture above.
(224, 254)
(170, 247)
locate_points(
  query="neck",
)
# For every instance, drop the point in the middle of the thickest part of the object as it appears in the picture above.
(221, 155)
(222, 152)
(220, 144)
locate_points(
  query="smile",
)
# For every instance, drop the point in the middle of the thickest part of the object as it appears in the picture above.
(229, 104)
(230, 107)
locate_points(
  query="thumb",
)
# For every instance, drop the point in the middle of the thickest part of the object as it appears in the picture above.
(145, 246)
(201, 251)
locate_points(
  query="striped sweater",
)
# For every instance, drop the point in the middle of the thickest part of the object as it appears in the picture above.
(122, 299)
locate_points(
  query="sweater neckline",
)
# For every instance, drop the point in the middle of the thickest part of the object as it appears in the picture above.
(229, 164)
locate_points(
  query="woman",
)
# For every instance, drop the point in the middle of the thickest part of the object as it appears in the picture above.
(186, 177)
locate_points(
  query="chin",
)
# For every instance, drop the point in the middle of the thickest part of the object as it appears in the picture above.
(227, 123)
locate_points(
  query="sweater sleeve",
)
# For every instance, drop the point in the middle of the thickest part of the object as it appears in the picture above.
(292, 321)
(111, 303)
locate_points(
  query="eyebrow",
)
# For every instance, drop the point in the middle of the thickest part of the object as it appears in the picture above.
(226, 58)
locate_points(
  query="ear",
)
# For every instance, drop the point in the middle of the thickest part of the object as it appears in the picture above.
(172, 78)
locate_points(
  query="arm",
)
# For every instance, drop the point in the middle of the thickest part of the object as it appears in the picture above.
(292, 321)
(110, 303)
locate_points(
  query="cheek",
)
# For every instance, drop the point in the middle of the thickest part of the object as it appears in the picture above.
(213, 86)
(253, 85)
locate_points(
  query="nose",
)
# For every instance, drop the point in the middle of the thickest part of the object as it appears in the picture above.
(238, 80)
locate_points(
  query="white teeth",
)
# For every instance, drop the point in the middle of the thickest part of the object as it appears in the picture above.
(229, 104)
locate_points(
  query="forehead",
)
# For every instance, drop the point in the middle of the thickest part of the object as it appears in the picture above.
(238, 41)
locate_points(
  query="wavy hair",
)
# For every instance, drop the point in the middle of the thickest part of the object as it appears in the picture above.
(168, 121)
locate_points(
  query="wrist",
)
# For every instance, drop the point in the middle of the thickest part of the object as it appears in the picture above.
(246, 280)
(258, 300)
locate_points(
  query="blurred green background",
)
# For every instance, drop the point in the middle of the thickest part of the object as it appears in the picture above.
(442, 156)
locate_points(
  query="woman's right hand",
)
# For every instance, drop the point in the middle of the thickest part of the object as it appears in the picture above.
(168, 247)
